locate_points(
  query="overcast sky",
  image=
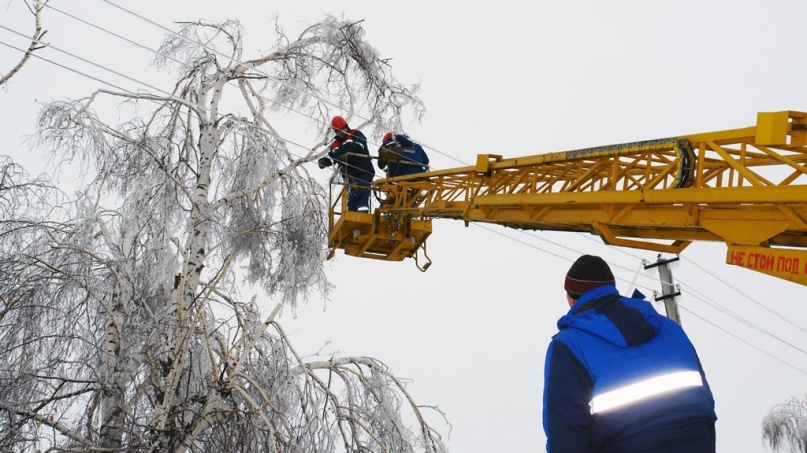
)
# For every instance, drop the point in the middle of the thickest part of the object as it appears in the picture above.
(512, 78)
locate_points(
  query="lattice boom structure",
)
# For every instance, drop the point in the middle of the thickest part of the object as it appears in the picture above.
(745, 187)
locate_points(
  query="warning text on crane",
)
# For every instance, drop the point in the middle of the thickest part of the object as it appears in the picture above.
(787, 264)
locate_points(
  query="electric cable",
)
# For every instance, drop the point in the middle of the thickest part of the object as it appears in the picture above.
(212, 50)
(75, 71)
(700, 296)
(724, 311)
(743, 340)
(565, 258)
(721, 309)
(169, 95)
(746, 296)
(140, 82)
(343, 163)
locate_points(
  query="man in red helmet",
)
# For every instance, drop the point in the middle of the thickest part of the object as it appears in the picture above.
(349, 150)
(401, 156)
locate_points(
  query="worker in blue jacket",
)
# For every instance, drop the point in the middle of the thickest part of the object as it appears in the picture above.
(401, 156)
(619, 377)
(349, 150)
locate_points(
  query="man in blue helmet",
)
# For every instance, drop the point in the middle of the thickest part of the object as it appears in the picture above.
(349, 150)
(619, 377)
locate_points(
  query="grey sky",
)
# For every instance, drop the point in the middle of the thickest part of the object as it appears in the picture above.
(512, 78)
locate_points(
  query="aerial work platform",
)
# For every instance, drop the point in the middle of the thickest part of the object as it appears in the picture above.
(745, 187)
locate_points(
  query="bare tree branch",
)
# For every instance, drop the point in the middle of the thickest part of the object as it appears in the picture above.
(36, 40)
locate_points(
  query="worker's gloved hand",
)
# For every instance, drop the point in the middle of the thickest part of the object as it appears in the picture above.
(324, 162)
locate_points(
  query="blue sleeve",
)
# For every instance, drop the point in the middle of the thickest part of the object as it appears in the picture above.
(361, 140)
(333, 153)
(336, 154)
(356, 145)
(567, 393)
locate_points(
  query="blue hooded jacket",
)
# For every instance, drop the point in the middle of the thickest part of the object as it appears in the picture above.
(352, 154)
(413, 158)
(605, 343)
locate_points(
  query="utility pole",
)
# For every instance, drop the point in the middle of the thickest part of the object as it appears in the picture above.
(668, 291)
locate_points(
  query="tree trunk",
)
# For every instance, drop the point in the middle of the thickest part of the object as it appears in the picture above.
(195, 254)
(113, 406)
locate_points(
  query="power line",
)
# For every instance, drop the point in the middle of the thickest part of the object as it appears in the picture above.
(744, 341)
(712, 304)
(157, 53)
(84, 60)
(748, 323)
(169, 95)
(201, 45)
(257, 69)
(75, 71)
(746, 296)
(214, 51)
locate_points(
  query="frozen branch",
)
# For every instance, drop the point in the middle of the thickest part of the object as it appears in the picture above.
(36, 40)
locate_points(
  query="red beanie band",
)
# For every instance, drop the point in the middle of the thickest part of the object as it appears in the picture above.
(587, 273)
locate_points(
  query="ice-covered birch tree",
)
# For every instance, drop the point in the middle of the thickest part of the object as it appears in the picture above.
(142, 339)
(785, 426)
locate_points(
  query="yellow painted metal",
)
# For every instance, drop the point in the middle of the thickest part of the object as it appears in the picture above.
(772, 128)
(483, 162)
(745, 231)
(365, 235)
(745, 187)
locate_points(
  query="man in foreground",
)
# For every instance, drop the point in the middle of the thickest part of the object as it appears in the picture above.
(619, 377)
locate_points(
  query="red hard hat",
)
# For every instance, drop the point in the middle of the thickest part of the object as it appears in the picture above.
(387, 136)
(338, 123)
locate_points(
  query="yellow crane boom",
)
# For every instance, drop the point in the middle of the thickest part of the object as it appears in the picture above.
(746, 187)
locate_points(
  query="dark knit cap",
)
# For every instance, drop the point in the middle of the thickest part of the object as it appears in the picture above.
(588, 272)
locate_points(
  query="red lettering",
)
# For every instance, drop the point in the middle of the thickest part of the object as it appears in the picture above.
(769, 261)
(737, 258)
(785, 264)
(760, 261)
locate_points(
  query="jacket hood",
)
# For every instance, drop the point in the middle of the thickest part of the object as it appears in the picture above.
(603, 313)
